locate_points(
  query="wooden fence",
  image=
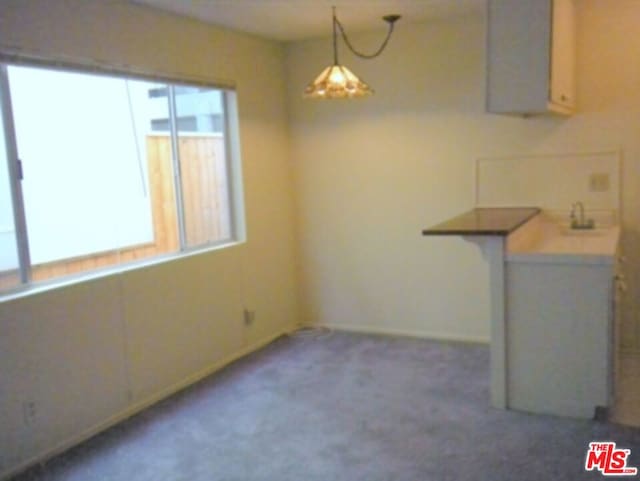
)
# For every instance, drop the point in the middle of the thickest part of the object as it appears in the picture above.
(205, 206)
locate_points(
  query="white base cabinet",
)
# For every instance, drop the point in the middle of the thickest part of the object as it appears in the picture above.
(559, 336)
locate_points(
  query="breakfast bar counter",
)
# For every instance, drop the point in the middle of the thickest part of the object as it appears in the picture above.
(547, 275)
(489, 228)
(494, 221)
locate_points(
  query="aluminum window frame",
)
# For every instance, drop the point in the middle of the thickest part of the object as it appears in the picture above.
(232, 162)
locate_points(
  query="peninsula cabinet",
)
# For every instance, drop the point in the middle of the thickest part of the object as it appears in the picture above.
(530, 57)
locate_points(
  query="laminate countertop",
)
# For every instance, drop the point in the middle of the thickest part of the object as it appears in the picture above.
(489, 221)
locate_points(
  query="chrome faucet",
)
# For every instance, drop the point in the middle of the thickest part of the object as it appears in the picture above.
(580, 222)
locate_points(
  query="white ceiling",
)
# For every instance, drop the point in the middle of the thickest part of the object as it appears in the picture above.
(287, 20)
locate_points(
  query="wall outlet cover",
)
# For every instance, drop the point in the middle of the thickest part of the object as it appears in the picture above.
(599, 182)
(249, 317)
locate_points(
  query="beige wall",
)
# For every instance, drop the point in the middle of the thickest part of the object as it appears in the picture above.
(90, 353)
(371, 174)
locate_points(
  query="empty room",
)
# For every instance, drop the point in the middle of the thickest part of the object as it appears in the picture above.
(307, 240)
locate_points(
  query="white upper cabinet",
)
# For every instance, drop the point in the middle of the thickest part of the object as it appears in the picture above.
(530, 57)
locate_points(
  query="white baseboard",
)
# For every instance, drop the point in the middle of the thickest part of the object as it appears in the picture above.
(438, 336)
(136, 407)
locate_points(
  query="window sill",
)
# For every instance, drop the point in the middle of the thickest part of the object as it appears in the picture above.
(27, 290)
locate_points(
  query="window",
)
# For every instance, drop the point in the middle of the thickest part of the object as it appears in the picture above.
(99, 170)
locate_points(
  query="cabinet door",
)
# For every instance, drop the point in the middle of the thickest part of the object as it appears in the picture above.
(558, 340)
(518, 46)
(562, 90)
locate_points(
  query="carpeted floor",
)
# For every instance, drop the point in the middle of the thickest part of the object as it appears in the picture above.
(341, 407)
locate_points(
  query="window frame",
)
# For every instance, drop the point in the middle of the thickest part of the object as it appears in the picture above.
(232, 162)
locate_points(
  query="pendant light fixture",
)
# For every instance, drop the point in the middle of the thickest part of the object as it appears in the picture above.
(337, 81)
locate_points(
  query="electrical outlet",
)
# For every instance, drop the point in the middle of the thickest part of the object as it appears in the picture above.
(599, 182)
(29, 413)
(249, 317)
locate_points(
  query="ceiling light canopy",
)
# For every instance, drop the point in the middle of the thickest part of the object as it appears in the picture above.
(337, 81)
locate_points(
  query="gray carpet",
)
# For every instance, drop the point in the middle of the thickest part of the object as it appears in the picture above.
(343, 407)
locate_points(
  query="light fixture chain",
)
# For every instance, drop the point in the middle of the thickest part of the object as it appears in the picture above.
(335, 39)
(352, 48)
